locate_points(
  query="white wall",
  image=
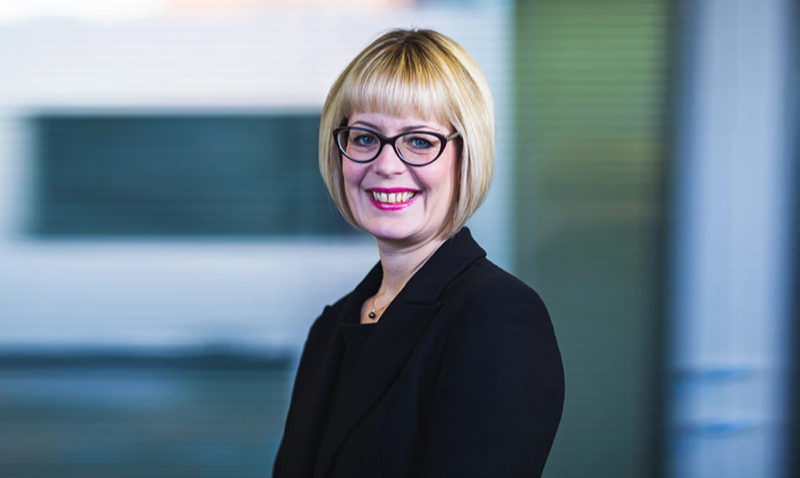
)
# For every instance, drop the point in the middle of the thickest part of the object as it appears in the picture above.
(153, 292)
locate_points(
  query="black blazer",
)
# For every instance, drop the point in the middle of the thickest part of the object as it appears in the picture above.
(461, 377)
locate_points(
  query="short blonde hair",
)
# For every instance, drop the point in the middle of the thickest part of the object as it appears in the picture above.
(416, 72)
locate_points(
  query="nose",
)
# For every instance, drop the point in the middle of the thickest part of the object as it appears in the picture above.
(388, 163)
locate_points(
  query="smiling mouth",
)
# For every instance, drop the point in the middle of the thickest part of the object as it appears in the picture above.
(393, 198)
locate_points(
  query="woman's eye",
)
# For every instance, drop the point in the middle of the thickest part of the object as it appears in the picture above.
(420, 143)
(364, 140)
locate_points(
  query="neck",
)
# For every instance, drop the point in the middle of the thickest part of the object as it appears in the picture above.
(400, 264)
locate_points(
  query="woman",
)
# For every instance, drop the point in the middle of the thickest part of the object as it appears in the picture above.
(438, 363)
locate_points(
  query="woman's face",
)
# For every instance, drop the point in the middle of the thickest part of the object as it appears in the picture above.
(423, 195)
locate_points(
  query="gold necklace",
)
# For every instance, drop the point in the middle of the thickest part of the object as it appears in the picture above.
(373, 313)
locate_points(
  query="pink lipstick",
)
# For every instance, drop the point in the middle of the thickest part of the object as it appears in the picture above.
(392, 199)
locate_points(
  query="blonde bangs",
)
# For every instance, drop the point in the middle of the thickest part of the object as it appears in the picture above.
(398, 83)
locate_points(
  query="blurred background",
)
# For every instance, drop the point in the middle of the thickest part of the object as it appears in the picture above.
(166, 240)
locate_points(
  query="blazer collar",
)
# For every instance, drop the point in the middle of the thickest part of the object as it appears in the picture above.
(452, 257)
(394, 338)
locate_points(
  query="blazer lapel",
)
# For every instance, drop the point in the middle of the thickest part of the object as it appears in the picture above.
(393, 340)
(314, 383)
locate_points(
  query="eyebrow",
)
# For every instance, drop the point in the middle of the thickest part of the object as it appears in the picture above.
(403, 130)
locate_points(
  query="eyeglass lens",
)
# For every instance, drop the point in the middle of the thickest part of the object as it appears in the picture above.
(414, 148)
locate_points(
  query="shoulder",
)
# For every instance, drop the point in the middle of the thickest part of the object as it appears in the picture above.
(488, 288)
(498, 318)
(329, 319)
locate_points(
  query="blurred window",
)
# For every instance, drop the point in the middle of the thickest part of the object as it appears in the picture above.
(204, 413)
(180, 175)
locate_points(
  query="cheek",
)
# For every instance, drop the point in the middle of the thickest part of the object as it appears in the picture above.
(352, 176)
(445, 179)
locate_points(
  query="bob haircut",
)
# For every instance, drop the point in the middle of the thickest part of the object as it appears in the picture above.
(421, 73)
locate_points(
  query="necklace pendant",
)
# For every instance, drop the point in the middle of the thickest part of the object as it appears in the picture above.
(371, 314)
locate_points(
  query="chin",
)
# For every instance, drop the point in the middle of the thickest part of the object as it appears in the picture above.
(392, 232)
(403, 234)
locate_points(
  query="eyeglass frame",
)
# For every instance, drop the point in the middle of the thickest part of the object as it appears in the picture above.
(393, 142)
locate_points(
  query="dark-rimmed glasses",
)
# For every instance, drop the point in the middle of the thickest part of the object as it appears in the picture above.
(415, 148)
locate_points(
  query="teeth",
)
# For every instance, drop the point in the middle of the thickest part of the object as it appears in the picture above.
(392, 198)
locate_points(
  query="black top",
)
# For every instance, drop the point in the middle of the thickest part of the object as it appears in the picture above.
(461, 377)
(355, 336)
